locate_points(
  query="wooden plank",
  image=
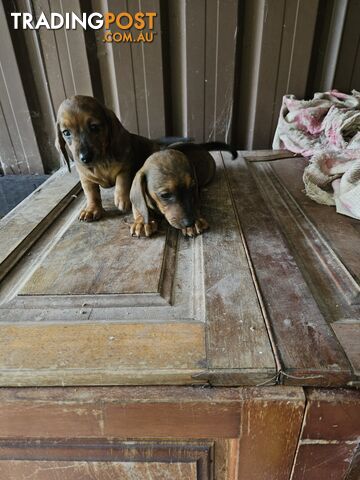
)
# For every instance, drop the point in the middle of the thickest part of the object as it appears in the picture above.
(353, 472)
(332, 415)
(36, 213)
(349, 337)
(293, 313)
(330, 435)
(339, 231)
(143, 412)
(233, 314)
(277, 441)
(83, 353)
(323, 461)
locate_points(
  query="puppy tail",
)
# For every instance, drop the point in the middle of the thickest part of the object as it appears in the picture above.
(165, 141)
(211, 146)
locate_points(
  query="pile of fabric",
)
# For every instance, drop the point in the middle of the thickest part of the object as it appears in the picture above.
(326, 129)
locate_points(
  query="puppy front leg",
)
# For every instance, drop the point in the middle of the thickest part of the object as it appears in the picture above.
(122, 192)
(139, 228)
(93, 210)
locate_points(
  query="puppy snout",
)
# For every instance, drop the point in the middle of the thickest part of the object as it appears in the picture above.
(187, 222)
(85, 156)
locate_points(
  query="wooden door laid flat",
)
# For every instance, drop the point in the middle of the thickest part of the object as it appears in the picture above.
(270, 294)
(87, 304)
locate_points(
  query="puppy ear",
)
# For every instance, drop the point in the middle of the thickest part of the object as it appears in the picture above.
(138, 195)
(61, 146)
(115, 132)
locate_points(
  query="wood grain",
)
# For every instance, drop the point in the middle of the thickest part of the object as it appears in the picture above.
(102, 258)
(349, 337)
(308, 349)
(108, 353)
(330, 435)
(236, 332)
(328, 461)
(52, 470)
(337, 232)
(26, 223)
(268, 438)
(113, 460)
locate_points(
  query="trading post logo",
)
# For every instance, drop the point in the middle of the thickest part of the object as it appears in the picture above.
(119, 27)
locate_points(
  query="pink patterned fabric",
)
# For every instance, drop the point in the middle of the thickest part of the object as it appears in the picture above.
(327, 129)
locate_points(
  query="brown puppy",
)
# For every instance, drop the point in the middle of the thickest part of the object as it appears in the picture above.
(105, 153)
(169, 183)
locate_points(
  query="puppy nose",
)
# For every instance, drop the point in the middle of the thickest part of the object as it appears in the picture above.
(85, 157)
(188, 222)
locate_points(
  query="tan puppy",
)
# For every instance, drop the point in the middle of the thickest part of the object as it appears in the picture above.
(168, 184)
(105, 153)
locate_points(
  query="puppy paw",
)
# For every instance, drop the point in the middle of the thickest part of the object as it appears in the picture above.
(197, 229)
(122, 203)
(140, 229)
(90, 214)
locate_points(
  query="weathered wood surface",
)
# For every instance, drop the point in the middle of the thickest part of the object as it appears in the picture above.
(107, 308)
(330, 436)
(248, 303)
(72, 470)
(236, 332)
(333, 238)
(28, 221)
(349, 337)
(305, 344)
(166, 424)
(110, 459)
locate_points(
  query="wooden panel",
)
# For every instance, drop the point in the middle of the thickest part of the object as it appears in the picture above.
(332, 415)
(226, 270)
(340, 232)
(96, 268)
(101, 354)
(36, 213)
(269, 449)
(349, 337)
(111, 460)
(323, 461)
(330, 435)
(293, 313)
(102, 411)
(50, 470)
(78, 425)
(107, 308)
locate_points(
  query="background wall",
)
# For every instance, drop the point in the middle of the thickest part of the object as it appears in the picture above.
(217, 69)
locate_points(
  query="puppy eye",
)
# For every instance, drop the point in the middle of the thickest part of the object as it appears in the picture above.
(94, 127)
(66, 133)
(165, 195)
